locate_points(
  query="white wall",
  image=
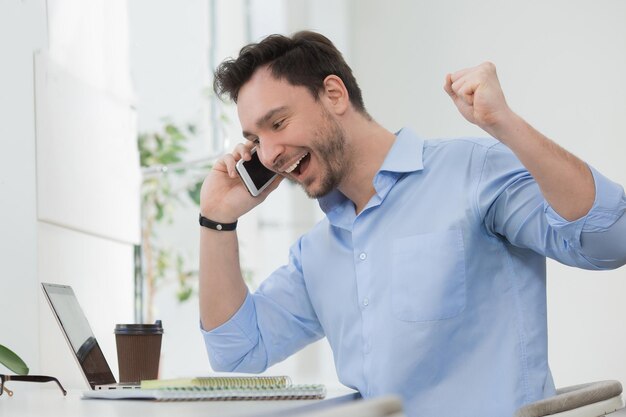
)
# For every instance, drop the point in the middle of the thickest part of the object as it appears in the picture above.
(69, 178)
(88, 174)
(22, 30)
(560, 63)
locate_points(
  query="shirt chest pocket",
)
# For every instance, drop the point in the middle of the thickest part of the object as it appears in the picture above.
(428, 276)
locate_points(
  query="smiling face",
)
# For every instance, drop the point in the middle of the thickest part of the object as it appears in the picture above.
(295, 135)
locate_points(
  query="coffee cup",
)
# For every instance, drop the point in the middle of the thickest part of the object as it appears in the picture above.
(138, 351)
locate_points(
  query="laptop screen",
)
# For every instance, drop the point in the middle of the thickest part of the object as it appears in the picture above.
(78, 334)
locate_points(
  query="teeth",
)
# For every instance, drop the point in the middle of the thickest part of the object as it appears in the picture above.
(291, 168)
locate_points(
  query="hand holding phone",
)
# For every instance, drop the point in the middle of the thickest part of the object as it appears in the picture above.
(255, 176)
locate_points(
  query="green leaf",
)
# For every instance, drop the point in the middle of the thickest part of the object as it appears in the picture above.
(172, 130)
(169, 157)
(194, 192)
(12, 361)
(184, 293)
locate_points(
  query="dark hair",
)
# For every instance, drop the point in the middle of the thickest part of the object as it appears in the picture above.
(305, 59)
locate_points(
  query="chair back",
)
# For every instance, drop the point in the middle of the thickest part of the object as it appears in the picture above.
(586, 400)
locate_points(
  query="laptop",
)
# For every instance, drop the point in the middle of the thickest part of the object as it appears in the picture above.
(82, 342)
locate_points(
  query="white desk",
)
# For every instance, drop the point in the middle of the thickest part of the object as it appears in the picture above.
(31, 400)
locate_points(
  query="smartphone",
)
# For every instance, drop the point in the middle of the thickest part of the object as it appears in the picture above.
(254, 175)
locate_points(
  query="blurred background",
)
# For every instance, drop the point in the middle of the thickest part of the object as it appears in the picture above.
(108, 123)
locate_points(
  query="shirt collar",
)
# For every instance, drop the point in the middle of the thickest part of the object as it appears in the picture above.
(405, 155)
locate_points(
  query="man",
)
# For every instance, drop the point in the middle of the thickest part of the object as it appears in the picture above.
(427, 275)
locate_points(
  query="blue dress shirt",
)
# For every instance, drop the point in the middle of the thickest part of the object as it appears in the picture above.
(436, 291)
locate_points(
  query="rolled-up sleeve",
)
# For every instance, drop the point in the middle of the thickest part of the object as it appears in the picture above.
(514, 207)
(238, 334)
(608, 207)
(272, 323)
(601, 234)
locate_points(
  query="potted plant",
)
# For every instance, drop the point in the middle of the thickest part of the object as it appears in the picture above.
(11, 361)
(168, 181)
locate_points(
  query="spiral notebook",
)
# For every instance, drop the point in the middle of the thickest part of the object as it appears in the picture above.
(217, 388)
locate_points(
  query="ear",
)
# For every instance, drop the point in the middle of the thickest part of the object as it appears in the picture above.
(335, 95)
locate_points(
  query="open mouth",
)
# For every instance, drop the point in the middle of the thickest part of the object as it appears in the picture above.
(299, 166)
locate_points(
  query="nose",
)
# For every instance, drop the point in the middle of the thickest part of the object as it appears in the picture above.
(270, 153)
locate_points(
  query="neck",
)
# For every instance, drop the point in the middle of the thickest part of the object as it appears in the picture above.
(369, 144)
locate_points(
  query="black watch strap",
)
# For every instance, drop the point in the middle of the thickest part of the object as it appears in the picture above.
(223, 227)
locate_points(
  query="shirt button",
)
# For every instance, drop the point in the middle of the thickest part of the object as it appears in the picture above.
(366, 302)
(362, 256)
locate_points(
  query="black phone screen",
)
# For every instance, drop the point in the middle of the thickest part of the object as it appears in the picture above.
(257, 171)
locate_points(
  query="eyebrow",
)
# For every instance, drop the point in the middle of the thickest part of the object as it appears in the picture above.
(265, 119)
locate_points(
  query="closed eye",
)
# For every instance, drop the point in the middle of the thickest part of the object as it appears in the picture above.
(277, 125)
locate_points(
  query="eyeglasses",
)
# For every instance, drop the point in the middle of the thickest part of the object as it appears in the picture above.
(27, 378)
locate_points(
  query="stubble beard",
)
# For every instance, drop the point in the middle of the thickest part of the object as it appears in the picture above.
(330, 149)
